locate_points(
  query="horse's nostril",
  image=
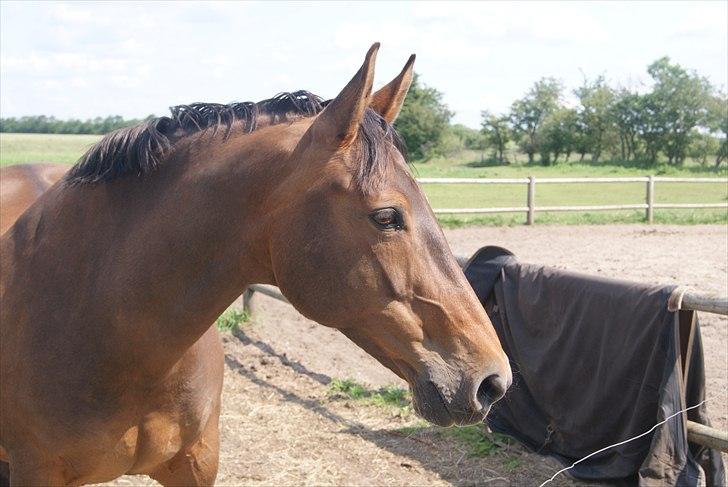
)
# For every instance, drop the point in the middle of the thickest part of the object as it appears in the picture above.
(490, 390)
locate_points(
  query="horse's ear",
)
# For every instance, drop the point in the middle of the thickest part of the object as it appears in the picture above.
(388, 100)
(341, 118)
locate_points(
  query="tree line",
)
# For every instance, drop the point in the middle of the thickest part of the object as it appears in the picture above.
(682, 116)
(41, 124)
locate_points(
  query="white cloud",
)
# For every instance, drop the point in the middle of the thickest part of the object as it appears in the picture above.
(68, 13)
(709, 21)
(62, 64)
(544, 21)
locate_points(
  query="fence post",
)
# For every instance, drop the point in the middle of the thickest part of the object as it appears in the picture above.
(247, 297)
(650, 199)
(531, 200)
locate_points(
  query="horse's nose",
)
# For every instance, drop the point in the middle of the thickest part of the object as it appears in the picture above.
(490, 390)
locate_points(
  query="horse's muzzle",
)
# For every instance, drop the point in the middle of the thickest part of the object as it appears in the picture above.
(490, 390)
(462, 408)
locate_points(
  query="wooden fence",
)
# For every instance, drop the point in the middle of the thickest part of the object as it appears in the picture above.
(530, 209)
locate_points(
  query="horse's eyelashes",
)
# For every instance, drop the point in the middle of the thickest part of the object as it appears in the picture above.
(387, 218)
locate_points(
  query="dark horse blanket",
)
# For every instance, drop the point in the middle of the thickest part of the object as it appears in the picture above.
(596, 361)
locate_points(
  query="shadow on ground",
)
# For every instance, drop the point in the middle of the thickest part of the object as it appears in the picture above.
(425, 447)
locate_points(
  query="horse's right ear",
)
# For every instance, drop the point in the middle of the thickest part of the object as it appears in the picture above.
(388, 100)
(339, 121)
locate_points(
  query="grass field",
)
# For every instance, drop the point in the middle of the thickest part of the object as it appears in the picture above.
(23, 148)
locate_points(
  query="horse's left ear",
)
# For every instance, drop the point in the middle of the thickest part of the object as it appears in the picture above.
(388, 100)
(341, 118)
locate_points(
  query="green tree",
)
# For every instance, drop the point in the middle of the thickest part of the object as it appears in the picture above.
(650, 125)
(528, 113)
(51, 125)
(677, 104)
(497, 134)
(557, 135)
(594, 115)
(470, 138)
(449, 144)
(717, 124)
(626, 118)
(703, 146)
(424, 121)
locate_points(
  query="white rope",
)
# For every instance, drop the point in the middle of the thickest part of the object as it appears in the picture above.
(622, 442)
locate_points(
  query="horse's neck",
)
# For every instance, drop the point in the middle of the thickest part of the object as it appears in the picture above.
(186, 243)
(217, 243)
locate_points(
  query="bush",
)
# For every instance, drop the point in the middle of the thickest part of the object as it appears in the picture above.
(231, 319)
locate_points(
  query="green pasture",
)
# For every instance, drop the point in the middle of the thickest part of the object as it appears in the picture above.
(24, 148)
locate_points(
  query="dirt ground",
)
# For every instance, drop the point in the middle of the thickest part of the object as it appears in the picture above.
(281, 426)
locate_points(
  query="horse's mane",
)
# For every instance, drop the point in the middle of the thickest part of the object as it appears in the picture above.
(139, 149)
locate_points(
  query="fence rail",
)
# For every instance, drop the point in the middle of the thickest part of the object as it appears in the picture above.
(530, 209)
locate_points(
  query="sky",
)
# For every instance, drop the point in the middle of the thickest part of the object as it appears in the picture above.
(86, 59)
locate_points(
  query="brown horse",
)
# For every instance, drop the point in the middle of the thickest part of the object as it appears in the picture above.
(21, 185)
(110, 280)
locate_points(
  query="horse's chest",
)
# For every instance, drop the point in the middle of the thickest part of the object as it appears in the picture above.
(164, 431)
(149, 428)
(157, 439)
(142, 447)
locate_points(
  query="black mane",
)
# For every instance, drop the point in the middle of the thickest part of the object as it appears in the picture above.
(139, 149)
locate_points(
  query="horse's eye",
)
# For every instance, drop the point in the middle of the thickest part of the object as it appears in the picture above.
(387, 219)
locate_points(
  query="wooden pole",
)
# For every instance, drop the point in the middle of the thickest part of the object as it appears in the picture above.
(707, 436)
(247, 298)
(269, 290)
(710, 304)
(462, 260)
(650, 199)
(531, 200)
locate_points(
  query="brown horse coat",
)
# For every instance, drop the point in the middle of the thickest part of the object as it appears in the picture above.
(21, 185)
(199, 368)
